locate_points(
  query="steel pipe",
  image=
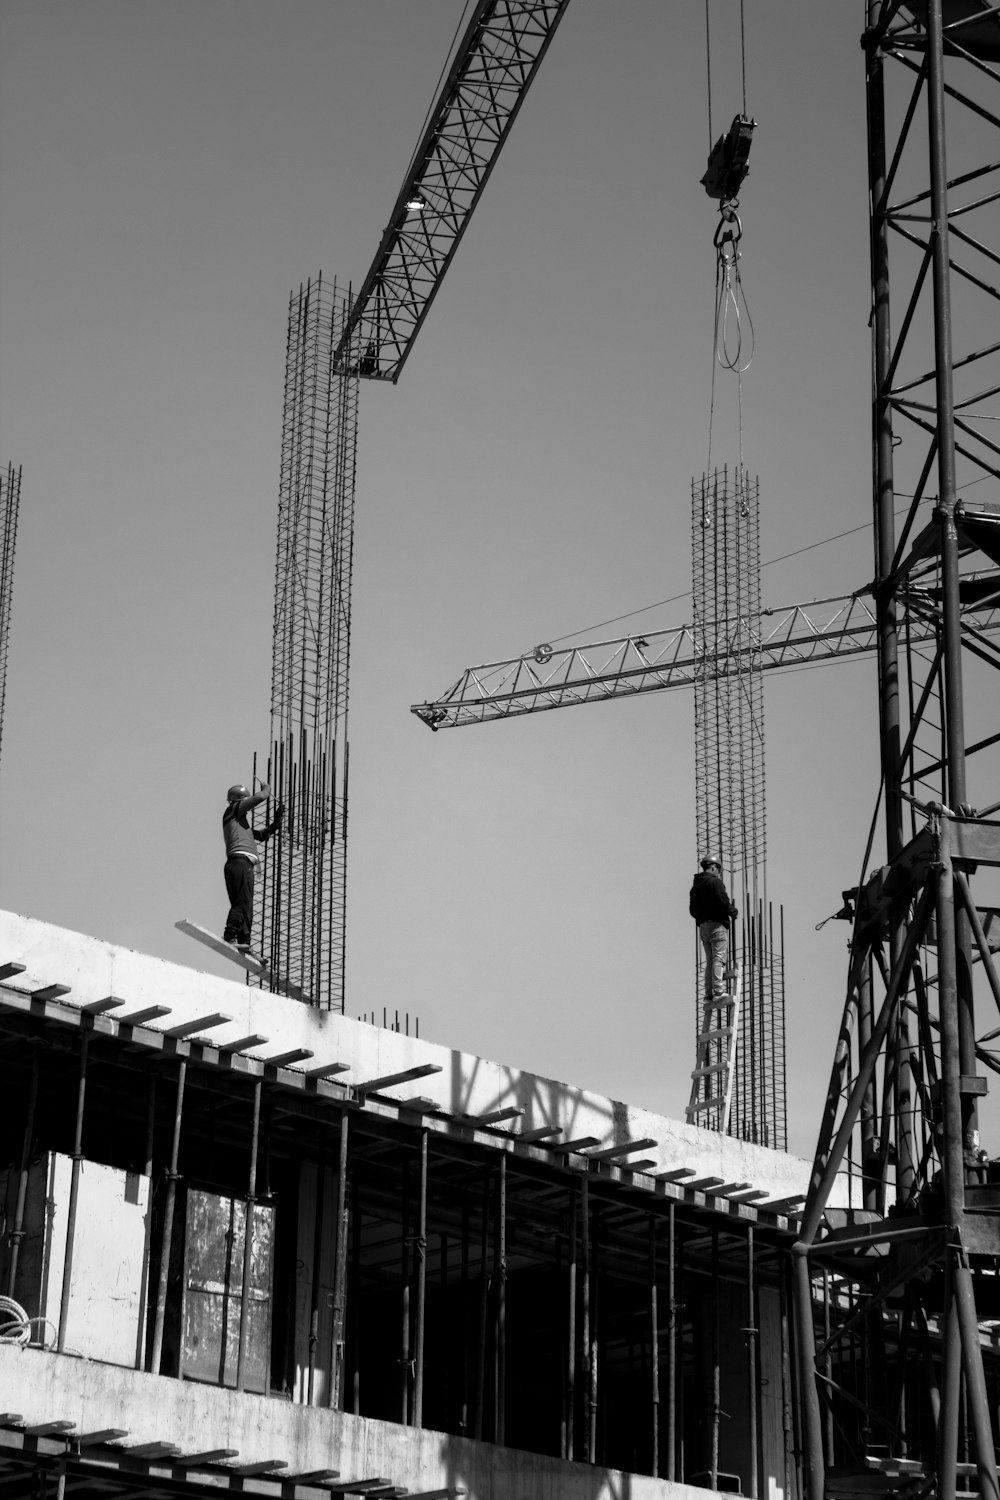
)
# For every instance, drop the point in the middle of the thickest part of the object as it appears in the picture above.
(247, 1289)
(17, 1232)
(74, 1193)
(168, 1223)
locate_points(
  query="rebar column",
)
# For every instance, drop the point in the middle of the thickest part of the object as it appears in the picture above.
(10, 499)
(730, 801)
(302, 890)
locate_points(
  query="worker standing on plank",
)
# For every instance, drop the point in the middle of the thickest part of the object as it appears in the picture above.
(712, 909)
(242, 858)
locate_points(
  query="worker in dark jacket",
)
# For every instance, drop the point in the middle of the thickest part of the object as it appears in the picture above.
(712, 909)
(241, 857)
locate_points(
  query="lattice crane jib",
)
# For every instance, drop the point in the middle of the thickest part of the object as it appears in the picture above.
(334, 340)
(492, 68)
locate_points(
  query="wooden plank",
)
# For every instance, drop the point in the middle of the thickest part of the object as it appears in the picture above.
(248, 961)
(99, 1007)
(494, 1117)
(582, 1143)
(356, 1486)
(286, 1059)
(243, 1043)
(543, 1133)
(51, 992)
(48, 1429)
(203, 1023)
(675, 1174)
(376, 1085)
(8, 971)
(263, 1466)
(102, 1435)
(327, 1070)
(610, 1153)
(208, 1456)
(140, 1017)
(451, 1493)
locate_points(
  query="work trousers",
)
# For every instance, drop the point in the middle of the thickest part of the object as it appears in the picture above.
(239, 874)
(715, 941)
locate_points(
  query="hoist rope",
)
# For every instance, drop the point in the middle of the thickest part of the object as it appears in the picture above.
(768, 563)
(708, 69)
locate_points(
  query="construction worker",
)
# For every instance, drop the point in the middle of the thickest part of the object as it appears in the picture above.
(241, 857)
(712, 909)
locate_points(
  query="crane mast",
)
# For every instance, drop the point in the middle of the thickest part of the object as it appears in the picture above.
(912, 1263)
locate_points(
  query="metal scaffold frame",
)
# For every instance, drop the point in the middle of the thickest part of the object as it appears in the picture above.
(730, 802)
(896, 1299)
(10, 499)
(301, 896)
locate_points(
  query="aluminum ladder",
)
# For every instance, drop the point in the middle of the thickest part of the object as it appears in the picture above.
(715, 1069)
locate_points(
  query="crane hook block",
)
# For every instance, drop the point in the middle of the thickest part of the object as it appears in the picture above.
(727, 165)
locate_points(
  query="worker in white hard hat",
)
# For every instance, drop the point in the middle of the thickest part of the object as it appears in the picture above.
(712, 909)
(242, 857)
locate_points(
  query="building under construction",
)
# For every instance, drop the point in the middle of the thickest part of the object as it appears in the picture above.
(255, 1246)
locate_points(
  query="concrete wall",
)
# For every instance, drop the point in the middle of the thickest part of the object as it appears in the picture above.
(465, 1085)
(106, 1293)
(43, 1387)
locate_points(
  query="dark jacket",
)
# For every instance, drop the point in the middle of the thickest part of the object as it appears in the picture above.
(709, 900)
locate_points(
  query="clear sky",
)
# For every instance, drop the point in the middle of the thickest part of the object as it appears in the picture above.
(168, 173)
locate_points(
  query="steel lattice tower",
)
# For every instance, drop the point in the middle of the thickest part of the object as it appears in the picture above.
(10, 499)
(301, 895)
(729, 779)
(916, 1290)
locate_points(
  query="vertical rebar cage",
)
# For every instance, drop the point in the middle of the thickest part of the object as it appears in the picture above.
(729, 779)
(10, 499)
(302, 892)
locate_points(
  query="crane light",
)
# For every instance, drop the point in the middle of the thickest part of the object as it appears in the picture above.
(727, 165)
(415, 205)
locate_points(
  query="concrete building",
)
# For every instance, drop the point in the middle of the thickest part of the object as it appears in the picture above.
(463, 1278)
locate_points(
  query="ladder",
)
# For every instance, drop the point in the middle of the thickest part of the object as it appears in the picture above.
(712, 1079)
